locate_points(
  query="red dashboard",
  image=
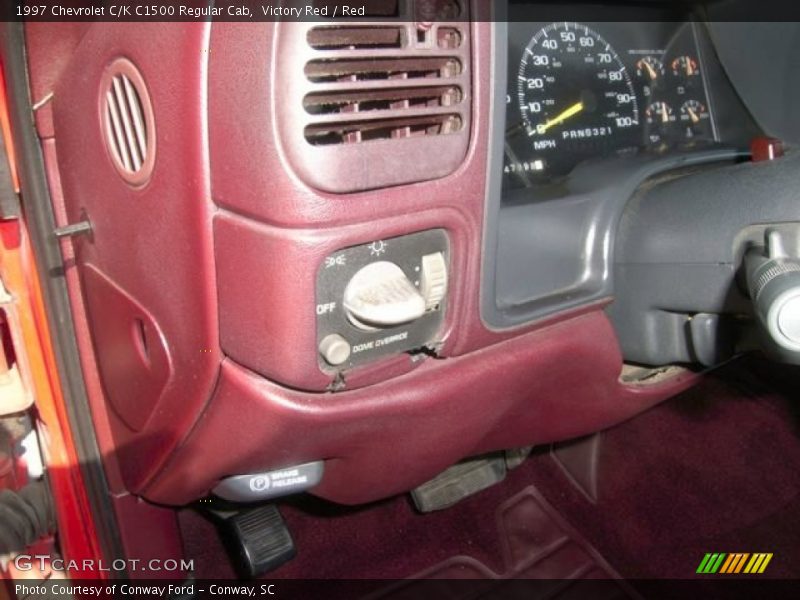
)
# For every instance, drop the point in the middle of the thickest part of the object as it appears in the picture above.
(197, 293)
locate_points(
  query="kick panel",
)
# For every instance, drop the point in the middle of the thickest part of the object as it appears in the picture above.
(380, 298)
(134, 361)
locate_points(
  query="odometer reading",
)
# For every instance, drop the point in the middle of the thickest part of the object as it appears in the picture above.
(575, 97)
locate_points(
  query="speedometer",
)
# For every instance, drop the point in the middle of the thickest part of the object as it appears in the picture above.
(576, 99)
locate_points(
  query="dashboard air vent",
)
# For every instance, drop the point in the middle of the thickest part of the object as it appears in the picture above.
(127, 122)
(406, 87)
(375, 103)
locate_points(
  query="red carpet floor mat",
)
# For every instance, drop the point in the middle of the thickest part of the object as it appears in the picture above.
(536, 544)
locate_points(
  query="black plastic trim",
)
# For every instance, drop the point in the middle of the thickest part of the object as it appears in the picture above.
(524, 274)
(9, 201)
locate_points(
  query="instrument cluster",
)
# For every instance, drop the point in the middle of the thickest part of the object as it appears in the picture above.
(579, 91)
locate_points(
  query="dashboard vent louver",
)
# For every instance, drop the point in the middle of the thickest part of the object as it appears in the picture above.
(127, 120)
(419, 92)
(337, 38)
(389, 86)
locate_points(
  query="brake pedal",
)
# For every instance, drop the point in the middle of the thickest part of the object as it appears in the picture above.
(257, 539)
(458, 482)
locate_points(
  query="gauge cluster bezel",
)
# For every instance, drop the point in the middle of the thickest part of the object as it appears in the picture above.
(549, 249)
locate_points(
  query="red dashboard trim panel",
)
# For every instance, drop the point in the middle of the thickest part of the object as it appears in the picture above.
(152, 243)
(553, 384)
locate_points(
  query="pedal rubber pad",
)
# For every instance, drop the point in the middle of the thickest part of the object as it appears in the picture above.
(258, 539)
(458, 482)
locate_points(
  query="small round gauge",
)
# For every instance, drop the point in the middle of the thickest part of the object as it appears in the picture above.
(695, 118)
(693, 111)
(576, 98)
(660, 119)
(650, 69)
(685, 67)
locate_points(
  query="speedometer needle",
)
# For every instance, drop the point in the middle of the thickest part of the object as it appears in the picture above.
(570, 112)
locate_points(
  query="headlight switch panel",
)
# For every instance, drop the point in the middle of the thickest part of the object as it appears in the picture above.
(380, 298)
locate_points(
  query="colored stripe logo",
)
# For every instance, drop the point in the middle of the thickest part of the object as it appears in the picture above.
(734, 563)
